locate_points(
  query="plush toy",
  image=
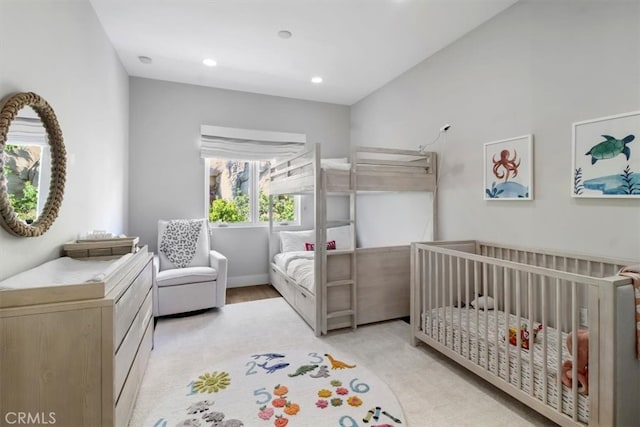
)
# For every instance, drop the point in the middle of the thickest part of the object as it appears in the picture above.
(524, 335)
(582, 361)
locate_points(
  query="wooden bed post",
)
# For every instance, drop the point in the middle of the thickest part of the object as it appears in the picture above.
(320, 247)
(605, 343)
(434, 202)
(414, 306)
(353, 188)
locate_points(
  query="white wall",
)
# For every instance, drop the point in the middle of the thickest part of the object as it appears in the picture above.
(536, 68)
(59, 50)
(167, 173)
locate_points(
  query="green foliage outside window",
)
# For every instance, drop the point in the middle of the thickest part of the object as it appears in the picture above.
(26, 206)
(283, 208)
(237, 210)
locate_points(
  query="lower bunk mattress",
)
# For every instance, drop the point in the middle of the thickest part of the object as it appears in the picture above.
(464, 332)
(299, 266)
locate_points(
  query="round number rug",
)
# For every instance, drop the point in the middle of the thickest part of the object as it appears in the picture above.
(288, 388)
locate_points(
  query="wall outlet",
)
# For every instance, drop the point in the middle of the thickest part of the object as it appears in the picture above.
(584, 317)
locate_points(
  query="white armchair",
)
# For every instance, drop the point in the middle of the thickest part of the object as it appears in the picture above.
(189, 275)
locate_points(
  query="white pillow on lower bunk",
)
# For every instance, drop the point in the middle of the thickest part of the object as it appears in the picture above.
(291, 241)
(483, 303)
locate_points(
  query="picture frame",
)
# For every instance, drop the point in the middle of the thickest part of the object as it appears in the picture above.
(606, 157)
(508, 169)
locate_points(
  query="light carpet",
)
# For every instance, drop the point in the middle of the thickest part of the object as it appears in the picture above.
(307, 388)
(433, 390)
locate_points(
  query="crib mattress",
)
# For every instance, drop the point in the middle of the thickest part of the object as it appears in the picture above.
(457, 328)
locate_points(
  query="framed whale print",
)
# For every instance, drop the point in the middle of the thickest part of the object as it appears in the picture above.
(508, 169)
(606, 157)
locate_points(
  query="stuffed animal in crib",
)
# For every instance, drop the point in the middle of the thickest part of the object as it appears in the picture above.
(524, 335)
(582, 361)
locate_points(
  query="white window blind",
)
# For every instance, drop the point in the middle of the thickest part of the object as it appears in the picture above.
(248, 144)
(26, 130)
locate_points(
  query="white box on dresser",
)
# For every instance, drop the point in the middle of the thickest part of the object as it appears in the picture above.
(77, 361)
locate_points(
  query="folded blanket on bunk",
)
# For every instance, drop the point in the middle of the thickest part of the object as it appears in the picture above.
(633, 271)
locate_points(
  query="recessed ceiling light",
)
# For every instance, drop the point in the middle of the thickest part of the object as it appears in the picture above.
(145, 59)
(209, 62)
(284, 34)
(316, 79)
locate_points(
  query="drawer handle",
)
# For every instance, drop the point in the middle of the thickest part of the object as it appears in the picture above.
(303, 295)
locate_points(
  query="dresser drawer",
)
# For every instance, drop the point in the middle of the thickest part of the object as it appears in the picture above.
(130, 301)
(124, 405)
(305, 305)
(280, 283)
(130, 343)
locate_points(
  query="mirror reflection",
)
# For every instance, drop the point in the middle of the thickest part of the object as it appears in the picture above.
(27, 161)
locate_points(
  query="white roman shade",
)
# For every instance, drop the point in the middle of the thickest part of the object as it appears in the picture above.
(27, 130)
(248, 144)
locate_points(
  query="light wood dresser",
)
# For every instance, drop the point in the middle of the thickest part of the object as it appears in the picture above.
(74, 355)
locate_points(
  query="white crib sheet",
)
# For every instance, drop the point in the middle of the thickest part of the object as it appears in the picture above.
(454, 328)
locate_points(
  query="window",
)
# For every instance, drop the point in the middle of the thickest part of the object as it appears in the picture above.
(27, 165)
(238, 192)
(22, 171)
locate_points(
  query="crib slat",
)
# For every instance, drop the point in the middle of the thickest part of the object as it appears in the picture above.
(424, 284)
(450, 335)
(466, 305)
(485, 285)
(443, 302)
(459, 310)
(574, 346)
(495, 331)
(436, 333)
(507, 310)
(531, 333)
(433, 289)
(545, 359)
(476, 281)
(558, 344)
(602, 269)
(518, 325)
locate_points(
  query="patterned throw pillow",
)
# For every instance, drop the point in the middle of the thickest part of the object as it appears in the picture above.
(331, 245)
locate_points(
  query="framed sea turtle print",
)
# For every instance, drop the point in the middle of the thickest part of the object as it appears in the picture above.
(606, 157)
(508, 169)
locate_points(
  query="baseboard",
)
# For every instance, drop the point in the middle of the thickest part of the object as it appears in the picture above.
(250, 280)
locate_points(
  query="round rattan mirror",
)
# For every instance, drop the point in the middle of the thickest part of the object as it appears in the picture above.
(56, 167)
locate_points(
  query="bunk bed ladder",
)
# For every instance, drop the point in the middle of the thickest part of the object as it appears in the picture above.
(350, 313)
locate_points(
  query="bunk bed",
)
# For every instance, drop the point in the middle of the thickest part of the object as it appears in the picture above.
(344, 286)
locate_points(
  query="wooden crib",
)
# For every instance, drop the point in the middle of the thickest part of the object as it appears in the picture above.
(452, 282)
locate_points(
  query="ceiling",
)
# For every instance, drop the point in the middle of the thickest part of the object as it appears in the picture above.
(356, 46)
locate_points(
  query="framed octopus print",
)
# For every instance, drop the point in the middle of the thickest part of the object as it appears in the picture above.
(508, 169)
(606, 157)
